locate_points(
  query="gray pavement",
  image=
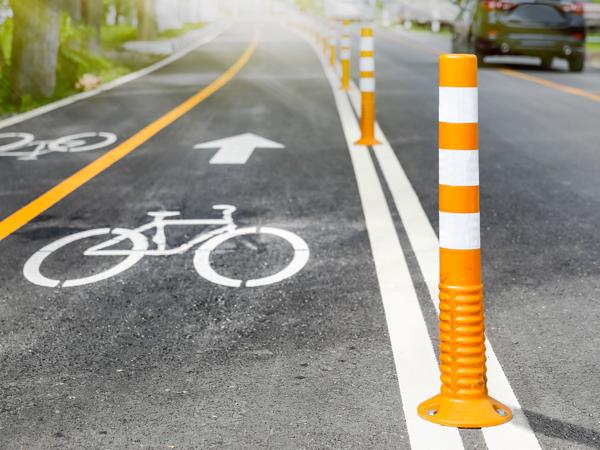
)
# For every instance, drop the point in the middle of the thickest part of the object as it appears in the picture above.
(539, 204)
(159, 357)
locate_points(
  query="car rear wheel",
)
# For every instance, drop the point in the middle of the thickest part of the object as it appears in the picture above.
(576, 63)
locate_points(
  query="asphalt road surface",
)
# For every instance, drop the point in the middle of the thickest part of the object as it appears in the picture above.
(138, 346)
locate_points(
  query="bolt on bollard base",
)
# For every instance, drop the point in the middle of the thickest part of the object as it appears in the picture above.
(484, 412)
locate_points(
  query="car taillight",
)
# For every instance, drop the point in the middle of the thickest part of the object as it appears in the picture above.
(572, 8)
(578, 36)
(498, 5)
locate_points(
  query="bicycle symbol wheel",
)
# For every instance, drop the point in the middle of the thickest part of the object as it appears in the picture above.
(33, 267)
(205, 270)
(22, 140)
(81, 142)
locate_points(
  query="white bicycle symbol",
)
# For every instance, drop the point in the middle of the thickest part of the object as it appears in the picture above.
(16, 144)
(208, 241)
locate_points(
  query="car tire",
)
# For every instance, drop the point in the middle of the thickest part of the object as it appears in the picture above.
(577, 62)
(547, 62)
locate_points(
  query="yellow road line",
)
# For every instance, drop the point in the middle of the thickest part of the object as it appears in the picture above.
(552, 84)
(45, 201)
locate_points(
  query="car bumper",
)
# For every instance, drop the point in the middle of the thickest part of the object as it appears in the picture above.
(515, 45)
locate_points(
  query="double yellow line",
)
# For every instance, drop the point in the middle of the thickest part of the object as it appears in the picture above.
(45, 201)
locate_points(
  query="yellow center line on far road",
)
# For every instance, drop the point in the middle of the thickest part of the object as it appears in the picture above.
(45, 201)
(552, 84)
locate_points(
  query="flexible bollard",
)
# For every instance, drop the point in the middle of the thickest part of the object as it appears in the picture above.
(367, 87)
(463, 401)
(332, 45)
(325, 43)
(345, 56)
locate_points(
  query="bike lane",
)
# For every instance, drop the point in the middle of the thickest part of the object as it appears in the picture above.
(119, 112)
(159, 356)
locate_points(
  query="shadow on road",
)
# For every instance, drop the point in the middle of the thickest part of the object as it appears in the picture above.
(566, 431)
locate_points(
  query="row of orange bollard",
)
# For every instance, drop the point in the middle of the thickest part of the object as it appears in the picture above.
(463, 400)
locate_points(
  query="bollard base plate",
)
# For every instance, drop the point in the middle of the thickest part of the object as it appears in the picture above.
(367, 141)
(470, 413)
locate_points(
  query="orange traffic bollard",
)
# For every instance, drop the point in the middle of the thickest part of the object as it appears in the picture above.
(345, 56)
(463, 401)
(332, 45)
(367, 87)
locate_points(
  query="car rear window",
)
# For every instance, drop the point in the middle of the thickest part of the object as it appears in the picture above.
(541, 12)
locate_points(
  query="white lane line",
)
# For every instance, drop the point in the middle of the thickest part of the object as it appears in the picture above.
(423, 239)
(414, 357)
(19, 118)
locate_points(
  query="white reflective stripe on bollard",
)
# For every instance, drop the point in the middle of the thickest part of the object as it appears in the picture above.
(459, 167)
(367, 44)
(459, 231)
(458, 105)
(367, 64)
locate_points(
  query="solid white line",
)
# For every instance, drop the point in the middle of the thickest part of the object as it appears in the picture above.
(19, 118)
(414, 358)
(517, 433)
(458, 105)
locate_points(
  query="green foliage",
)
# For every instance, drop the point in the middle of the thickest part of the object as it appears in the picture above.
(113, 36)
(6, 38)
(6, 44)
(313, 6)
(74, 58)
(176, 32)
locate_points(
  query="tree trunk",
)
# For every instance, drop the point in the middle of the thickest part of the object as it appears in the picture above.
(92, 12)
(147, 25)
(73, 7)
(34, 48)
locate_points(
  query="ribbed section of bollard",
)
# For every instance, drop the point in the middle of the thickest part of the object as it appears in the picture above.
(367, 87)
(463, 400)
(462, 348)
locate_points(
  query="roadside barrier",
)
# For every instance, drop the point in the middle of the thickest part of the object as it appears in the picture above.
(367, 87)
(332, 45)
(463, 401)
(345, 56)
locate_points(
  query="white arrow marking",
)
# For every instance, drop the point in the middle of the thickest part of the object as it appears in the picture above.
(237, 149)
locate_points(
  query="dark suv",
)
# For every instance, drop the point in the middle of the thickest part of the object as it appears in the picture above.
(545, 28)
